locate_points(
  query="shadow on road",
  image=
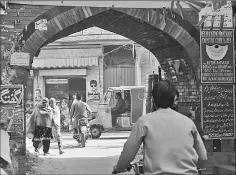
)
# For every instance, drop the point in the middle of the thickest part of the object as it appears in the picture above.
(95, 165)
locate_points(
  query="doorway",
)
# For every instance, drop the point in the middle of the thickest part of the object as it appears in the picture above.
(77, 85)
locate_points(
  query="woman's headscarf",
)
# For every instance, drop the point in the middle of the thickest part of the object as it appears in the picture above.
(53, 102)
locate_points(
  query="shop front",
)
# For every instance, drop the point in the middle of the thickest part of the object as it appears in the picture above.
(61, 78)
(64, 88)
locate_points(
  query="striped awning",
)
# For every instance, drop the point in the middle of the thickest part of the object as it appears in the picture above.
(66, 58)
(42, 63)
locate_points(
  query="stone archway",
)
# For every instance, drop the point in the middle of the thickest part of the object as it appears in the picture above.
(147, 24)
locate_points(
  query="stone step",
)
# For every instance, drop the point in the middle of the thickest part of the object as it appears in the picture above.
(223, 169)
(231, 158)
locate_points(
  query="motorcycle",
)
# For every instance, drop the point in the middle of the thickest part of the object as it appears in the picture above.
(138, 168)
(83, 131)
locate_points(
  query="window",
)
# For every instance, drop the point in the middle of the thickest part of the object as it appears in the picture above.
(106, 98)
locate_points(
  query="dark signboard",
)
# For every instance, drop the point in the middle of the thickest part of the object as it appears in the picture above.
(11, 95)
(218, 110)
(13, 117)
(12, 108)
(217, 56)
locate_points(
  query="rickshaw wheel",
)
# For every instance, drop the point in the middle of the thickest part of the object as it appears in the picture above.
(95, 132)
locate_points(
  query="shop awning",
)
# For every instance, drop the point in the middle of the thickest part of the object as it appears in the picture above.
(66, 58)
(42, 63)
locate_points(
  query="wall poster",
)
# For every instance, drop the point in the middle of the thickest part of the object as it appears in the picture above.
(93, 92)
(218, 110)
(217, 56)
(12, 107)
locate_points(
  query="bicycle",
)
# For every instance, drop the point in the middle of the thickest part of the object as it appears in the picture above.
(138, 168)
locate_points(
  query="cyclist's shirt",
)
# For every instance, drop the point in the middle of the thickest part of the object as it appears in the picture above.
(172, 144)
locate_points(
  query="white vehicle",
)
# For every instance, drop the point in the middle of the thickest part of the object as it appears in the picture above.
(134, 101)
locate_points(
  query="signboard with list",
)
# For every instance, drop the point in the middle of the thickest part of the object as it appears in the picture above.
(218, 110)
(217, 56)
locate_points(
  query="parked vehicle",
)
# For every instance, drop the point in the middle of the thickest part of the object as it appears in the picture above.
(84, 131)
(134, 101)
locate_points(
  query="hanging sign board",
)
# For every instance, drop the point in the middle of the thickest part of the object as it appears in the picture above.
(41, 25)
(218, 110)
(11, 95)
(13, 117)
(12, 109)
(20, 59)
(217, 56)
(56, 81)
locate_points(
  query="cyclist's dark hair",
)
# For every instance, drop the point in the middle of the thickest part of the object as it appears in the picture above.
(78, 96)
(163, 94)
(119, 94)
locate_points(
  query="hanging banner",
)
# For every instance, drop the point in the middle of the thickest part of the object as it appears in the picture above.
(11, 95)
(217, 56)
(56, 81)
(218, 110)
(12, 107)
(13, 118)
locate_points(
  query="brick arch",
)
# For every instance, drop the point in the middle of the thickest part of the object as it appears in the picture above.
(153, 18)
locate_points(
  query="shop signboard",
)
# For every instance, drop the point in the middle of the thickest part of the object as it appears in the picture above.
(217, 56)
(56, 81)
(218, 110)
(13, 118)
(12, 107)
(11, 95)
(20, 59)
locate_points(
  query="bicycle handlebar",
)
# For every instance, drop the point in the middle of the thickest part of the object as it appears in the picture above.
(127, 169)
(133, 164)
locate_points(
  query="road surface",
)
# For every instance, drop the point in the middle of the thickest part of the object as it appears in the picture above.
(98, 157)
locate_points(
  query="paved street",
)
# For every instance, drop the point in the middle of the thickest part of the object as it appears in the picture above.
(98, 157)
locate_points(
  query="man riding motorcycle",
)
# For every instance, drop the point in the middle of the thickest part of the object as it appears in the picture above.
(169, 148)
(78, 111)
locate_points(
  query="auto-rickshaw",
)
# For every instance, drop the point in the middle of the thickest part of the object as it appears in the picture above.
(134, 101)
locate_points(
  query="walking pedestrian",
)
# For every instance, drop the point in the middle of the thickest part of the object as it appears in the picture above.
(43, 130)
(56, 129)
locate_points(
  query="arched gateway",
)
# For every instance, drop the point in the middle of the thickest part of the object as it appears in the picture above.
(164, 36)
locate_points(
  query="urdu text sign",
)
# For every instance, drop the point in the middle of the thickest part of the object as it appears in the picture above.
(217, 56)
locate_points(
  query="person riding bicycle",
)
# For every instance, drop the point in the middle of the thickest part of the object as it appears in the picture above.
(78, 110)
(171, 142)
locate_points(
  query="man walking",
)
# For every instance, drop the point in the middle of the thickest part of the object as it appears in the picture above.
(78, 110)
